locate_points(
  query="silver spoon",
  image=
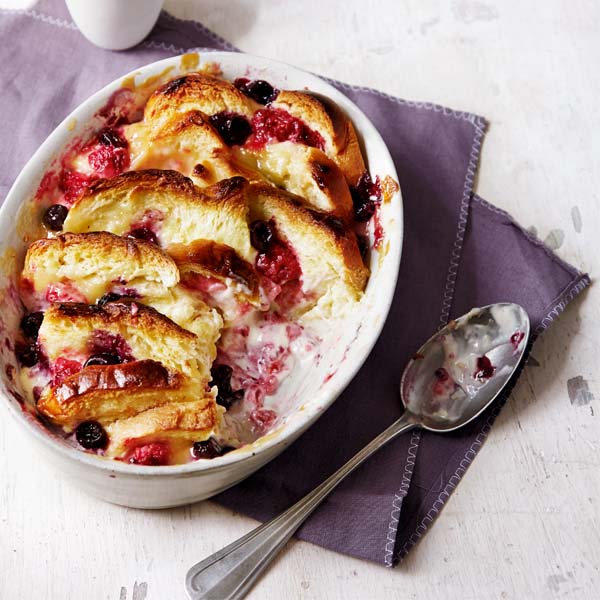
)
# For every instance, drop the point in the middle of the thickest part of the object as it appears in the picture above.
(452, 379)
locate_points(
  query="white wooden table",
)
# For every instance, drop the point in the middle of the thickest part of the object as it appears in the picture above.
(524, 523)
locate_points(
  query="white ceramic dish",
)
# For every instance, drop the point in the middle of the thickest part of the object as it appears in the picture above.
(313, 389)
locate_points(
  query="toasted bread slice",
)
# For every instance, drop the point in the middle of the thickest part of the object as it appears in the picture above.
(217, 274)
(196, 91)
(333, 273)
(110, 392)
(172, 422)
(189, 144)
(189, 311)
(93, 264)
(308, 173)
(326, 118)
(169, 204)
(130, 329)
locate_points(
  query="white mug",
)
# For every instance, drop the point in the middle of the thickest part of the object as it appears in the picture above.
(115, 24)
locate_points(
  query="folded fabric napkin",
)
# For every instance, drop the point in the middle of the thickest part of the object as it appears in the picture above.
(459, 252)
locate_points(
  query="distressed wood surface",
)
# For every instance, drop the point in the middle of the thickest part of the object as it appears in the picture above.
(524, 523)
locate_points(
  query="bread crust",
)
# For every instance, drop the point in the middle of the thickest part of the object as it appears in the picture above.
(215, 259)
(322, 115)
(312, 234)
(174, 421)
(126, 312)
(132, 330)
(218, 212)
(109, 392)
(190, 142)
(94, 261)
(310, 174)
(196, 91)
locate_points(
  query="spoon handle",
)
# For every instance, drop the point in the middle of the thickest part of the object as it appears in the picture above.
(231, 572)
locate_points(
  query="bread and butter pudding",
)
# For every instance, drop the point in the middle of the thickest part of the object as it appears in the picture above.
(192, 250)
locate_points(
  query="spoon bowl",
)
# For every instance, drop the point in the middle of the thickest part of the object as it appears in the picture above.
(452, 378)
(459, 371)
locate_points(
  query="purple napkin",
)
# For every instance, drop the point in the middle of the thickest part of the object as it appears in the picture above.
(459, 252)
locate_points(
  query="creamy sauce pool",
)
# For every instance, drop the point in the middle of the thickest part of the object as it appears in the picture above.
(472, 355)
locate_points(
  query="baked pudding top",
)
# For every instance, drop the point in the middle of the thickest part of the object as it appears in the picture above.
(190, 251)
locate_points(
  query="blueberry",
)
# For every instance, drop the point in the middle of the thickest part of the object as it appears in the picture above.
(259, 90)
(234, 129)
(441, 374)
(30, 324)
(261, 235)
(110, 297)
(143, 233)
(364, 207)
(366, 195)
(109, 137)
(221, 377)
(103, 358)
(27, 354)
(207, 449)
(91, 435)
(54, 217)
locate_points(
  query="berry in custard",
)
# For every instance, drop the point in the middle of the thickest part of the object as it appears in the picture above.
(54, 217)
(210, 448)
(72, 184)
(262, 419)
(259, 90)
(64, 291)
(105, 343)
(153, 454)
(30, 325)
(233, 128)
(366, 196)
(143, 233)
(271, 125)
(27, 354)
(261, 235)
(279, 263)
(110, 157)
(109, 297)
(63, 368)
(91, 435)
(221, 377)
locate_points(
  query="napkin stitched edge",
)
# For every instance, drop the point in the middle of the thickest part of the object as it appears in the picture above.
(479, 131)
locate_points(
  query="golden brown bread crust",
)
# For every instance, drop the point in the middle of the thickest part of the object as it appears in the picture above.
(128, 312)
(197, 91)
(132, 330)
(175, 421)
(312, 235)
(189, 143)
(106, 393)
(215, 259)
(94, 261)
(149, 179)
(325, 117)
(219, 212)
(308, 173)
